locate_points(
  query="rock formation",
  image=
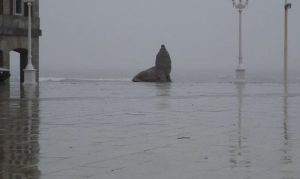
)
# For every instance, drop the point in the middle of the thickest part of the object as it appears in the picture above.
(160, 72)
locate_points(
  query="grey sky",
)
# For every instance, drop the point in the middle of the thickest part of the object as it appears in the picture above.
(127, 34)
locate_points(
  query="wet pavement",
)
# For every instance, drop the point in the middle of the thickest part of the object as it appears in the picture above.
(76, 130)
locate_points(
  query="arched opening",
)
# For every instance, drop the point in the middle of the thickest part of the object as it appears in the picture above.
(18, 62)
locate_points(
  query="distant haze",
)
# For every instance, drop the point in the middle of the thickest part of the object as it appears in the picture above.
(95, 36)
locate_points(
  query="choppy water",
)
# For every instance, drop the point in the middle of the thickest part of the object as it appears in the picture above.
(69, 129)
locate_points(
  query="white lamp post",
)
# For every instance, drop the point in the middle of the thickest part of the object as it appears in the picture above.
(240, 71)
(29, 71)
(287, 6)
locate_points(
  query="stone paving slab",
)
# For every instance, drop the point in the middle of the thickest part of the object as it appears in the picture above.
(190, 133)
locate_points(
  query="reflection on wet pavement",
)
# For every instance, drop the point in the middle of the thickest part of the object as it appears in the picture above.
(238, 141)
(19, 137)
(66, 130)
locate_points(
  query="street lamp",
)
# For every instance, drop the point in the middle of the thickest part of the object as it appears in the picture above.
(29, 71)
(240, 71)
(287, 6)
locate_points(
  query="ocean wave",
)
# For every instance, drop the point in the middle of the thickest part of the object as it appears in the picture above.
(50, 79)
(55, 79)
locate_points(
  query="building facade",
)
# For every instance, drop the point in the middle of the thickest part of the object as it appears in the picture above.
(14, 32)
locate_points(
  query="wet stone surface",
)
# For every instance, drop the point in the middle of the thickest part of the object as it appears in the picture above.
(116, 129)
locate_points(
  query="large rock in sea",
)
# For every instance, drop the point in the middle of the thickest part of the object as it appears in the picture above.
(160, 72)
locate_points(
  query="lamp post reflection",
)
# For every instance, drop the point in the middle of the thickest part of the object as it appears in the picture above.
(19, 137)
(240, 89)
(238, 157)
(286, 158)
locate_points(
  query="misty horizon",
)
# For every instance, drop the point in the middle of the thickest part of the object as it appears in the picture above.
(95, 36)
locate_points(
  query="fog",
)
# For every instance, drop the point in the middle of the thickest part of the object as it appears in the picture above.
(96, 36)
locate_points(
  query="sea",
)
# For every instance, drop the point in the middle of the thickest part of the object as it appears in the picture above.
(112, 128)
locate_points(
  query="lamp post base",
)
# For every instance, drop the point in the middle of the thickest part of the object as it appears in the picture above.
(240, 74)
(29, 77)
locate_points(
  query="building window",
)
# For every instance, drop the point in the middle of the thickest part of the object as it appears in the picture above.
(18, 7)
(1, 7)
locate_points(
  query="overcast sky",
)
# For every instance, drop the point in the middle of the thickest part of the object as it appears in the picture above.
(99, 35)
